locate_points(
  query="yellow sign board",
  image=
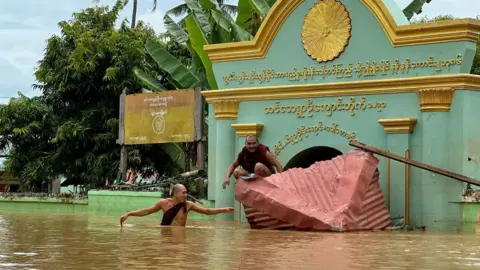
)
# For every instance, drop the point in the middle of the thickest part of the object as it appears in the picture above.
(162, 117)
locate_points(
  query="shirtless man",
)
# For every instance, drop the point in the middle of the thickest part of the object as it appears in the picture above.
(254, 158)
(175, 209)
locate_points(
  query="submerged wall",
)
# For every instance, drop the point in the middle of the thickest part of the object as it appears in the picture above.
(98, 203)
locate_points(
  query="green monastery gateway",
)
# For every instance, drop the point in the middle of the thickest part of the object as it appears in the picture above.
(321, 73)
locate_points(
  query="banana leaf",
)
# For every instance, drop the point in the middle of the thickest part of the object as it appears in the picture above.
(237, 32)
(178, 72)
(415, 7)
(240, 34)
(244, 13)
(198, 40)
(197, 67)
(197, 10)
(209, 4)
(151, 82)
(174, 150)
(221, 21)
(175, 30)
(261, 6)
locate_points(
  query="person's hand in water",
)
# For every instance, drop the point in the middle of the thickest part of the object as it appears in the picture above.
(123, 218)
(226, 183)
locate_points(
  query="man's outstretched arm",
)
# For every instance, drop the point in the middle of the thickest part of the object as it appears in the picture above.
(209, 211)
(142, 212)
(229, 173)
(271, 158)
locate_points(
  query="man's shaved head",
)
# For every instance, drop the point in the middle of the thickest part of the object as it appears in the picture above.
(251, 137)
(179, 192)
(177, 187)
(251, 142)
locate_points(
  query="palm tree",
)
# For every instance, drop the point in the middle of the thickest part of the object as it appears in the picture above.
(134, 12)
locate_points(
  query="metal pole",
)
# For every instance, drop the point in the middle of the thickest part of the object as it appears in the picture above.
(121, 136)
(417, 164)
(199, 132)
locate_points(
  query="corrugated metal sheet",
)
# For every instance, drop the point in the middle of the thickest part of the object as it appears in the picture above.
(342, 194)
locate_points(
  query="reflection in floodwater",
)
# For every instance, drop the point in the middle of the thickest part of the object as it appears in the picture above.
(54, 241)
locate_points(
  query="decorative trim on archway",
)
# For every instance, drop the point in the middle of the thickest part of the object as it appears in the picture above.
(404, 35)
(398, 125)
(435, 99)
(226, 109)
(383, 86)
(243, 130)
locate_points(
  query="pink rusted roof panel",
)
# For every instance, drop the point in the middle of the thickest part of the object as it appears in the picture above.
(342, 194)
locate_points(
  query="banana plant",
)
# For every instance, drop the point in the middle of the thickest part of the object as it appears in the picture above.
(205, 24)
(249, 9)
(415, 7)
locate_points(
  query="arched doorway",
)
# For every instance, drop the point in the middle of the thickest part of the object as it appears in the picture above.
(311, 155)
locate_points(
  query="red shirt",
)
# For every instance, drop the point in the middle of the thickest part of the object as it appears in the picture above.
(247, 159)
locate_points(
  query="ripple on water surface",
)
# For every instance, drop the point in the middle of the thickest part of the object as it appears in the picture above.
(54, 241)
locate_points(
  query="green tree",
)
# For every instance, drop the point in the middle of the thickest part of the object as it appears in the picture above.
(25, 125)
(71, 129)
(134, 11)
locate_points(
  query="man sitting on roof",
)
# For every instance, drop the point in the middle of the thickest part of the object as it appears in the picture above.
(255, 158)
(175, 209)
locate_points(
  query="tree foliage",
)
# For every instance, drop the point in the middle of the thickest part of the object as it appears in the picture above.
(24, 124)
(206, 23)
(415, 7)
(71, 129)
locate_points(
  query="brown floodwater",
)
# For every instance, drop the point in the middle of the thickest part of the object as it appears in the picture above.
(57, 241)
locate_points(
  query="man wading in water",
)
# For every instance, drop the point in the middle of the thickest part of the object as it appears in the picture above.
(175, 209)
(255, 158)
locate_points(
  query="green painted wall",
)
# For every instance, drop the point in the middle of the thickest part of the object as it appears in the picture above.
(49, 205)
(471, 217)
(98, 203)
(449, 140)
(368, 42)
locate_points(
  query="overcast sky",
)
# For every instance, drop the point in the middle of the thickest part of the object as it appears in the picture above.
(26, 24)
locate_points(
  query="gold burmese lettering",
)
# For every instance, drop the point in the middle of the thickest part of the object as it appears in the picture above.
(352, 106)
(304, 131)
(367, 69)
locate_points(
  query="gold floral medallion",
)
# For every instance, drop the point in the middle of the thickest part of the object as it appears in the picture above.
(326, 30)
(158, 124)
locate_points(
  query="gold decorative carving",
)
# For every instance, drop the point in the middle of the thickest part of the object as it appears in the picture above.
(370, 87)
(226, 109)
(304, 131)
(367, 69)
(398, 125)
(243, 130)
(403, 35)
(326, 30)
(352, 106)
(435, 99)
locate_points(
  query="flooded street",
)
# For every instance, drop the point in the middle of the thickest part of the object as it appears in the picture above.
(55, 241)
